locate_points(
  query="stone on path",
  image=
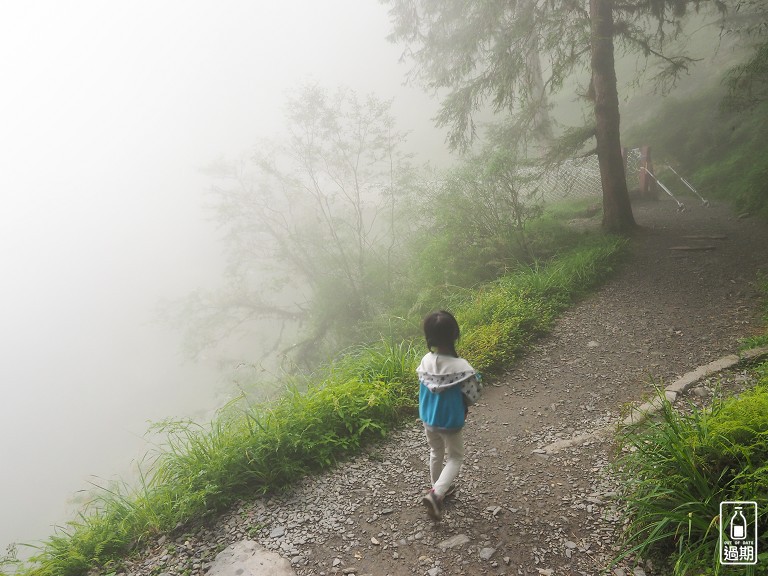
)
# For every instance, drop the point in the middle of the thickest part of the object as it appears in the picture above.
(247, 558)
(454, 542)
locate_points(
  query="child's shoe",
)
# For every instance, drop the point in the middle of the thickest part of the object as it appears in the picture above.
(433, 505)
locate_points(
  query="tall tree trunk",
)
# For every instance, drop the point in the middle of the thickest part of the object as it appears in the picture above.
(542, 122)
(617, 210)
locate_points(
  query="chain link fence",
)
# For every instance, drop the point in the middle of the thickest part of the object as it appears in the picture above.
(574, 178)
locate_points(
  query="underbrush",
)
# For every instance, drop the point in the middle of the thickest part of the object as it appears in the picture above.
(678, 468)
(721, 151)
(251, 449)
(760, 339)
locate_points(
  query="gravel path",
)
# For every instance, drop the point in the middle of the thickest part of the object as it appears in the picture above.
(518, 512)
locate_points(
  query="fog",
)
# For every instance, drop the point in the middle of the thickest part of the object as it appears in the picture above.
(108, 112)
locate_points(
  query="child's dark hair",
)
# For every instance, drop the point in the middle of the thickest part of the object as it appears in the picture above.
(441, 331)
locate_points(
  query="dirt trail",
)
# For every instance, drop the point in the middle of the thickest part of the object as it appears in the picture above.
(664, 313)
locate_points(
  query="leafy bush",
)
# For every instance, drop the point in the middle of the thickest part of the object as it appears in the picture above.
(678, 469)
(473, 222)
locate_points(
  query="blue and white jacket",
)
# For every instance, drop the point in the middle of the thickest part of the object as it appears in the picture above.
(441, 403)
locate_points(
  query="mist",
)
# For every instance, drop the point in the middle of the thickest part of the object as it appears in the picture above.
(109, 112)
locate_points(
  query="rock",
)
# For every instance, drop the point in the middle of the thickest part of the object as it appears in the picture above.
(700, 392)
(277, 532)
(487, 553)
(454, 542)
(436, 571)
(247, 557)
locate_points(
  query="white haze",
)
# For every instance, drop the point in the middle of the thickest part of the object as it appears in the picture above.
(108, 110)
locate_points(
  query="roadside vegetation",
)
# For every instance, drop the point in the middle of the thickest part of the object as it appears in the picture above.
(676, 471)
(329, 412)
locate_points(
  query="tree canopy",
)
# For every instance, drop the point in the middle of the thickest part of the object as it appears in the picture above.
(311, 221)
(748, 82)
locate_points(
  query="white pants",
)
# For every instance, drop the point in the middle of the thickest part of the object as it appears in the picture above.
(445, 447)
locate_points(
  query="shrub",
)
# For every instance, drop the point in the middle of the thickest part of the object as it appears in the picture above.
(678, 469)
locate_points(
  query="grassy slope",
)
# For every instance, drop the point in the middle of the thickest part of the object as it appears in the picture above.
(680, 467)
(261, 448)
(721, 152)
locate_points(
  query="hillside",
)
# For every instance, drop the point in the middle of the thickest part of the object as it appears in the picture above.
(519, 512)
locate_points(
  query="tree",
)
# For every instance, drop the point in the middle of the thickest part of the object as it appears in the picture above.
(311, 221)
(473, 222)
(479, 53)
(748, 82)
(617, 210)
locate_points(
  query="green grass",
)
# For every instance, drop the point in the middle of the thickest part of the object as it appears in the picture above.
(502, 318)
(322, 418)
(677, 469)
(761, 339)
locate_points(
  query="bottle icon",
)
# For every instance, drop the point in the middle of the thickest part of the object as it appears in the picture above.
(738, 525)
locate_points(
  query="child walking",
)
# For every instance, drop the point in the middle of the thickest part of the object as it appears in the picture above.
(443, 405)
